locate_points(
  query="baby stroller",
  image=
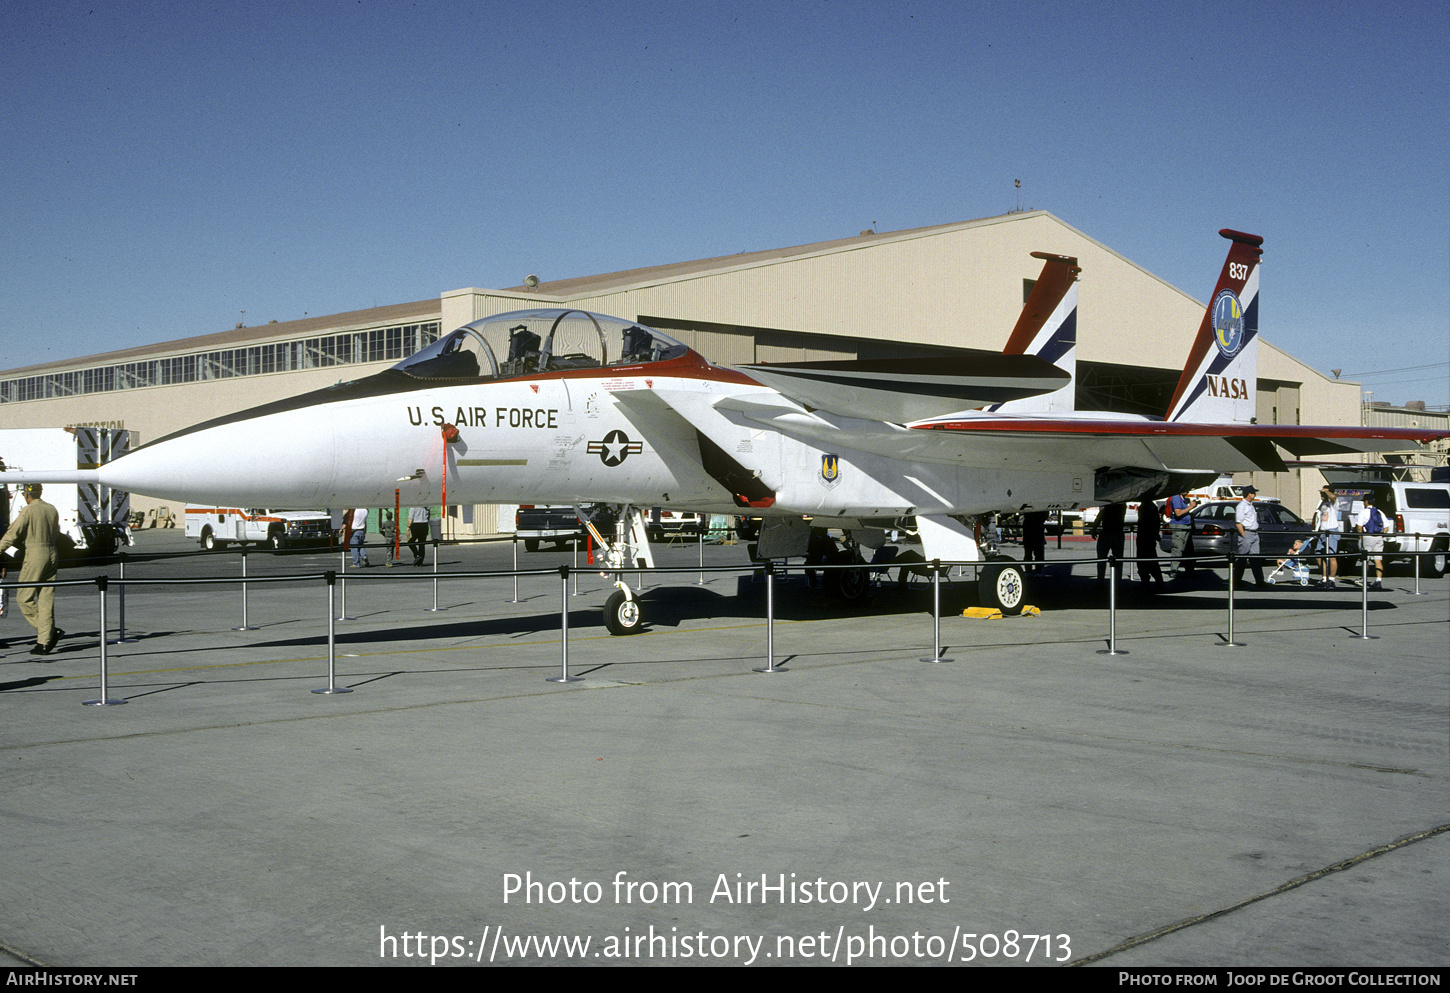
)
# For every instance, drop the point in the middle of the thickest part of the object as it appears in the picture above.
(1296, 569)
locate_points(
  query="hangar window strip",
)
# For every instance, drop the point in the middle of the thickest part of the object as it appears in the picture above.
(351, 348)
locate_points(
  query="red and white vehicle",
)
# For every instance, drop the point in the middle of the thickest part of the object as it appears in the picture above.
(215, 527)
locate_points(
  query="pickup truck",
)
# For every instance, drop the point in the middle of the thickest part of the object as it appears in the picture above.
(215, 527)
(560, 525)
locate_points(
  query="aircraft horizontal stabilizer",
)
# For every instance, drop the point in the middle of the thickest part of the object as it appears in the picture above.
(901, 390)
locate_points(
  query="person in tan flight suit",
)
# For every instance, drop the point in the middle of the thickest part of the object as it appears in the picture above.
(37, 529)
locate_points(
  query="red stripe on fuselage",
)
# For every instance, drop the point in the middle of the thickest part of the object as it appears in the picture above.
(1155, 429)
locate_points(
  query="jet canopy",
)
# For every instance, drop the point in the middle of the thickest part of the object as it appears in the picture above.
(530, 342)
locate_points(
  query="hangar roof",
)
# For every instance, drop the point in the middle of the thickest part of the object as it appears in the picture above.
(606, 282)
(391, 314)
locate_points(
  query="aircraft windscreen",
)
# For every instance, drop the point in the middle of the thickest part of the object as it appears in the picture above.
(529, 342)
(460, 355)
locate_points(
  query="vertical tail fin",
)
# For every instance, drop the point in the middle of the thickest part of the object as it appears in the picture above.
(1220, 381)
(1047, 328)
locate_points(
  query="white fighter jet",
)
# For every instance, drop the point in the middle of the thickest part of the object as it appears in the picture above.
(563, 406)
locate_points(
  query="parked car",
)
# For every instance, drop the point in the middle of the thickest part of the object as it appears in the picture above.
(1213, 522)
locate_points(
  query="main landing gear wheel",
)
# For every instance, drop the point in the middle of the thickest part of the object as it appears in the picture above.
(1003, 585)
(850, 586)
(622, 614)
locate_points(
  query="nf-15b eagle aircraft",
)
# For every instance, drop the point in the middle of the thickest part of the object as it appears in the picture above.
(565, 406)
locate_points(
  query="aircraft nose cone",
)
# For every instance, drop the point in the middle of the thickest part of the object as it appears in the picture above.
(283, 459)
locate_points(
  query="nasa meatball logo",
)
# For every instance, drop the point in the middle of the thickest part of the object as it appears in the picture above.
(1228, 323)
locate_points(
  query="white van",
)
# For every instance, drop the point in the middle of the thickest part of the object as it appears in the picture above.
(1420, 513)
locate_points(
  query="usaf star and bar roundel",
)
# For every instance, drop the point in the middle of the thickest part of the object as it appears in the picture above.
(615, 448)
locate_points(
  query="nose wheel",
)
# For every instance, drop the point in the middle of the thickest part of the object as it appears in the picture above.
(622, 614)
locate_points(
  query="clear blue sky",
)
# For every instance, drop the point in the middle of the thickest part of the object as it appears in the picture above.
(167, 166)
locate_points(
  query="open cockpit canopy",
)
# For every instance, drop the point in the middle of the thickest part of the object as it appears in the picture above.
(531, 342)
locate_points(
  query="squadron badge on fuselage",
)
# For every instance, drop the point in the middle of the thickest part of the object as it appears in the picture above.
(830, 470)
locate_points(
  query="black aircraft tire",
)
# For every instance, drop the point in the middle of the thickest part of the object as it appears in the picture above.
(1003, 586)
(851, 586)
(622, 614)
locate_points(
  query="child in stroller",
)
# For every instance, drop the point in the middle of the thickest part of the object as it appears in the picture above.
(1297, 570)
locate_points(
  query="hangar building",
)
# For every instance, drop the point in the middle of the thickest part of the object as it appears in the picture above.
(926, 291)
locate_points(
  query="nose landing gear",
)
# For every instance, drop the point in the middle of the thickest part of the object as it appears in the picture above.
(629, 549)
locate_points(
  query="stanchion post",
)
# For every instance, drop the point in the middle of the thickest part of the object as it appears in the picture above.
(700, 544)
(575, 545)
(342, 587)
(435, 608)
(563, 676)
(1416, 557)
(516, 570)
(245, 626)
(770, 665)
(1364, 634)
(936, 613)
(105, 699)
(121, 611)
(1231, 643)
(1112, 648)
(121, 638)
(331, 688)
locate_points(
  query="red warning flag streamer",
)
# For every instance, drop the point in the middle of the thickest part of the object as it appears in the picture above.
(450, 435)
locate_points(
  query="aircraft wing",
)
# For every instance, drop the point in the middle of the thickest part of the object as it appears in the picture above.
(901, 390)
(983, 440)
